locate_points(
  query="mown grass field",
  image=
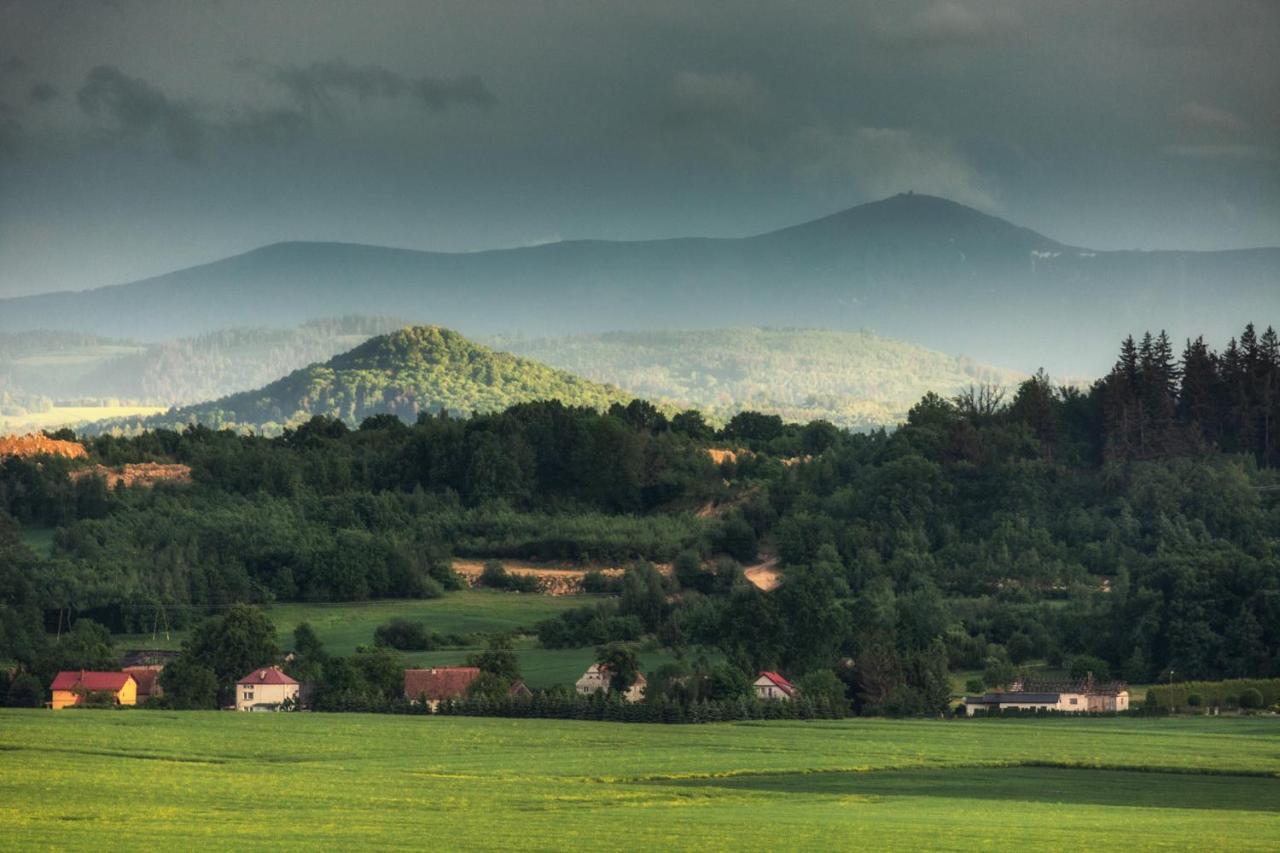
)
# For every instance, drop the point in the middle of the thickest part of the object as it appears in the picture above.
(80, 779)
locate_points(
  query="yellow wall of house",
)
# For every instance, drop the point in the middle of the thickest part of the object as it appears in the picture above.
(127, 695)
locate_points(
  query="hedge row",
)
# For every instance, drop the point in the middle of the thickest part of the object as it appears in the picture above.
(1224, 694)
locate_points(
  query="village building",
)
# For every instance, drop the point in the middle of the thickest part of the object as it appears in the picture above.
(148, 681)
(597, 679)
(1073, 697)
(438, 683)
(771, 686)
(435, 685)
(72, 688)
(266, 689)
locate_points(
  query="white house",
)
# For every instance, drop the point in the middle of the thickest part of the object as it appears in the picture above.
(770, 685)
(265, 689)
(597, 677)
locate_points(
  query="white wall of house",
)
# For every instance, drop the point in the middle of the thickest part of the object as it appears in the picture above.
(766, 689)
(251, 696)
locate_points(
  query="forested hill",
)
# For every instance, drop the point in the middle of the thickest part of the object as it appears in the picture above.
(914, 267)
(857, 380)
(405, 373)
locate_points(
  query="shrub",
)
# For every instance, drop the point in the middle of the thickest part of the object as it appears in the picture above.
(1250, 698)
(974, 685)
(25, 691)
(405, 635)
(599, 583)
(1082, 665)
(1194, 700)
(495, 576)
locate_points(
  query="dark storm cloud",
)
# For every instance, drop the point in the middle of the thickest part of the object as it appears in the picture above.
(315, 86)
(1145, 123)
(12, 65)
(135, 108)
(132, 108)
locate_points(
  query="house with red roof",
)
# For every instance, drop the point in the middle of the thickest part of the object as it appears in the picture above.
(770, 685)
(438, 683)
(148, 679)
(266, 689)
(72, 688)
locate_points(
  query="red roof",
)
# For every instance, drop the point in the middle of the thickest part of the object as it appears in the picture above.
(781, 683)
(440, 682)
(146, 676)
(90, 681)
(267, 675)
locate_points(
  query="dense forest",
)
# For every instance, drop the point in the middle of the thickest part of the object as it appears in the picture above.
(1129, 530)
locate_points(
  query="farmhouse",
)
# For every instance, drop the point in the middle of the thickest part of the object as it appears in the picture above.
(71, 688)
(770, 685)
(266, 689)
(596, 679)
(147, 679)
(433, 686)
(1079, 697)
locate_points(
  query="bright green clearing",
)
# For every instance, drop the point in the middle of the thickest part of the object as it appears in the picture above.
(201, 780)
(342, 627)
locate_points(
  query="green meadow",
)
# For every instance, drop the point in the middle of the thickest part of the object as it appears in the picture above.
(80, 779)
(474, 612)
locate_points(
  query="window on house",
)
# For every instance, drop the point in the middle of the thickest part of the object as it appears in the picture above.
(1074, 701)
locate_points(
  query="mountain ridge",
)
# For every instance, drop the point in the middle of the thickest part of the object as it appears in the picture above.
(918, 268)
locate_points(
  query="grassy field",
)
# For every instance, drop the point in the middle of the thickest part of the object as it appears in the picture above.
(80, 779)
(342, 627)
(60, 416)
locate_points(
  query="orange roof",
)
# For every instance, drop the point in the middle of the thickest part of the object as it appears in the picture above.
(267, 675)
(90, 681)
(440, 682)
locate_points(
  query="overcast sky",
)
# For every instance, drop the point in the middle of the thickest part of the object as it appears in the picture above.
(140, 137)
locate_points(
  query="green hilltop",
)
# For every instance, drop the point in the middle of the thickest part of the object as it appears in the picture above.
(405, 373)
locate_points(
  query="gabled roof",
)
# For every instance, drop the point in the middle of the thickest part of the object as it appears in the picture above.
(90, 681)
(778, 681)
(146, 677)
(266, 675)
(439, 682)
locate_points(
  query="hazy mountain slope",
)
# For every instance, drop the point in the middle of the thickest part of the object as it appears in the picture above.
(854, 379)
(914, 267)
(68, 366)
(413, 370)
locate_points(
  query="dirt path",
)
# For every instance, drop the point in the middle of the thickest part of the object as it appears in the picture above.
(764, 575)
(553, 578)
